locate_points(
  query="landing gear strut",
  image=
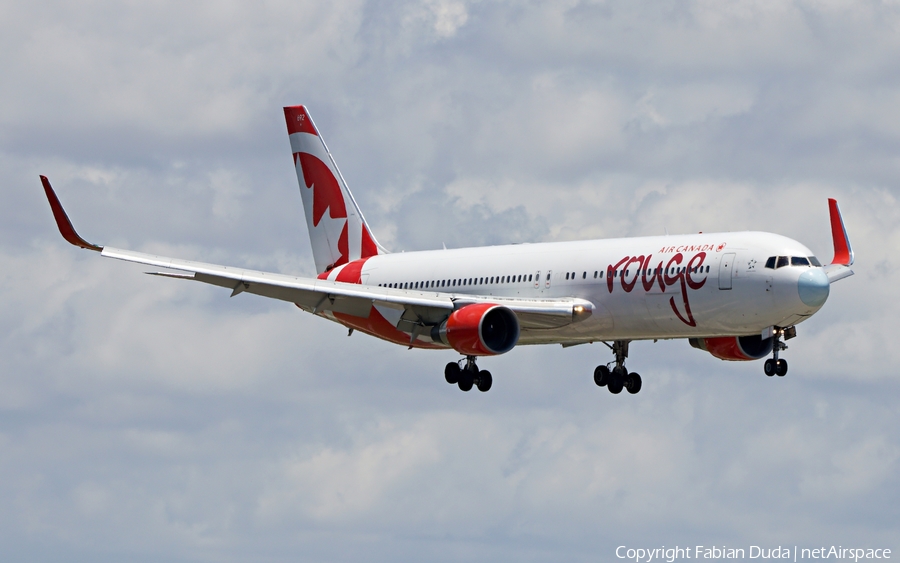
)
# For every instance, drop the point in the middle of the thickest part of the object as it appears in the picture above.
(774, 365)
(468, 376)
(617, 378)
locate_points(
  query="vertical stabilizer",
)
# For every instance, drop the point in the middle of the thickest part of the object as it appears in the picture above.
(338, 231)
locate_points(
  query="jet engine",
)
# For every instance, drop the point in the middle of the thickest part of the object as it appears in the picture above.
(479, 329)
(735, 348)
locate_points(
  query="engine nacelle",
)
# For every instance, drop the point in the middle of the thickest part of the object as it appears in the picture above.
(735, 348)
(479, 329)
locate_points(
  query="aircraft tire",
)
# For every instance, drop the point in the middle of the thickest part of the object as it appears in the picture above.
(485, 380)
(633, 383)
(781, 368)
(465, 383)
(601, 376)
(451, 373)
(769, 367)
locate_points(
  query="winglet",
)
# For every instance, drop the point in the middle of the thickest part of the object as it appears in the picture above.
(62, 220)
(843, 253)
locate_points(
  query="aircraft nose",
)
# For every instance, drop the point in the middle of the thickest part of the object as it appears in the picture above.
(813, 287)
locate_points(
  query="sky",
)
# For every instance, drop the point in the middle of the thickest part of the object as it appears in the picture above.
(147, 419)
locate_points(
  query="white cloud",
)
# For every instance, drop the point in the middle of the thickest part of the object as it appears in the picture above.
(146, 417)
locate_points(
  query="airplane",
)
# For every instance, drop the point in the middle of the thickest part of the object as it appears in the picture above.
(736, 295)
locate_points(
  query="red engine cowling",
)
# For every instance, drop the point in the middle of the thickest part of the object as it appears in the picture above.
(735, 348)
(480, 329)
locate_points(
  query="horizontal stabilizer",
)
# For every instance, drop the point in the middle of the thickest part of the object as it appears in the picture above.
(837, 272)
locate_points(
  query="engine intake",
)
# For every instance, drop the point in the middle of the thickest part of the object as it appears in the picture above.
(735, 348)
(479, 329)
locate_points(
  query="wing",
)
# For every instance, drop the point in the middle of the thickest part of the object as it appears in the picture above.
(316, 296)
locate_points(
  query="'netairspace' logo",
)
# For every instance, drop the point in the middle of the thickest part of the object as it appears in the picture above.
(794, 553)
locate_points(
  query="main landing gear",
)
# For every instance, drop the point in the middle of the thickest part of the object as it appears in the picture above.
(618, 378)
(468, 376)
(775, 365)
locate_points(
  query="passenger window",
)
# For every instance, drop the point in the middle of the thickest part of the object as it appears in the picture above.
(782, 262)
(584, 276)
(567, 275)
(815, 262)
(529, 277)
(799, 261)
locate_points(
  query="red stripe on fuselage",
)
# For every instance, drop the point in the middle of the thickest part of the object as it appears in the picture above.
(351, 272)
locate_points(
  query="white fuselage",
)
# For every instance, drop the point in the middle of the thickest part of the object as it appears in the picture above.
(676, 286)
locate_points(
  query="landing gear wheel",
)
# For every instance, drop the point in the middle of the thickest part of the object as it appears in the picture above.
(466, 381)
(451, 373)
(485, 380)
(769, 368)
(781, 368)
(633, 383)
(617, 380)
(602, 375)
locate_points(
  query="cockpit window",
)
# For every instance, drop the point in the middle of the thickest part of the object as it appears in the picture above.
(775, 262)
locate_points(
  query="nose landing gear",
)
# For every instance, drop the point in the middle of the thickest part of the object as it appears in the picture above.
(617, 378)
(468, 376)
(775, 365)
